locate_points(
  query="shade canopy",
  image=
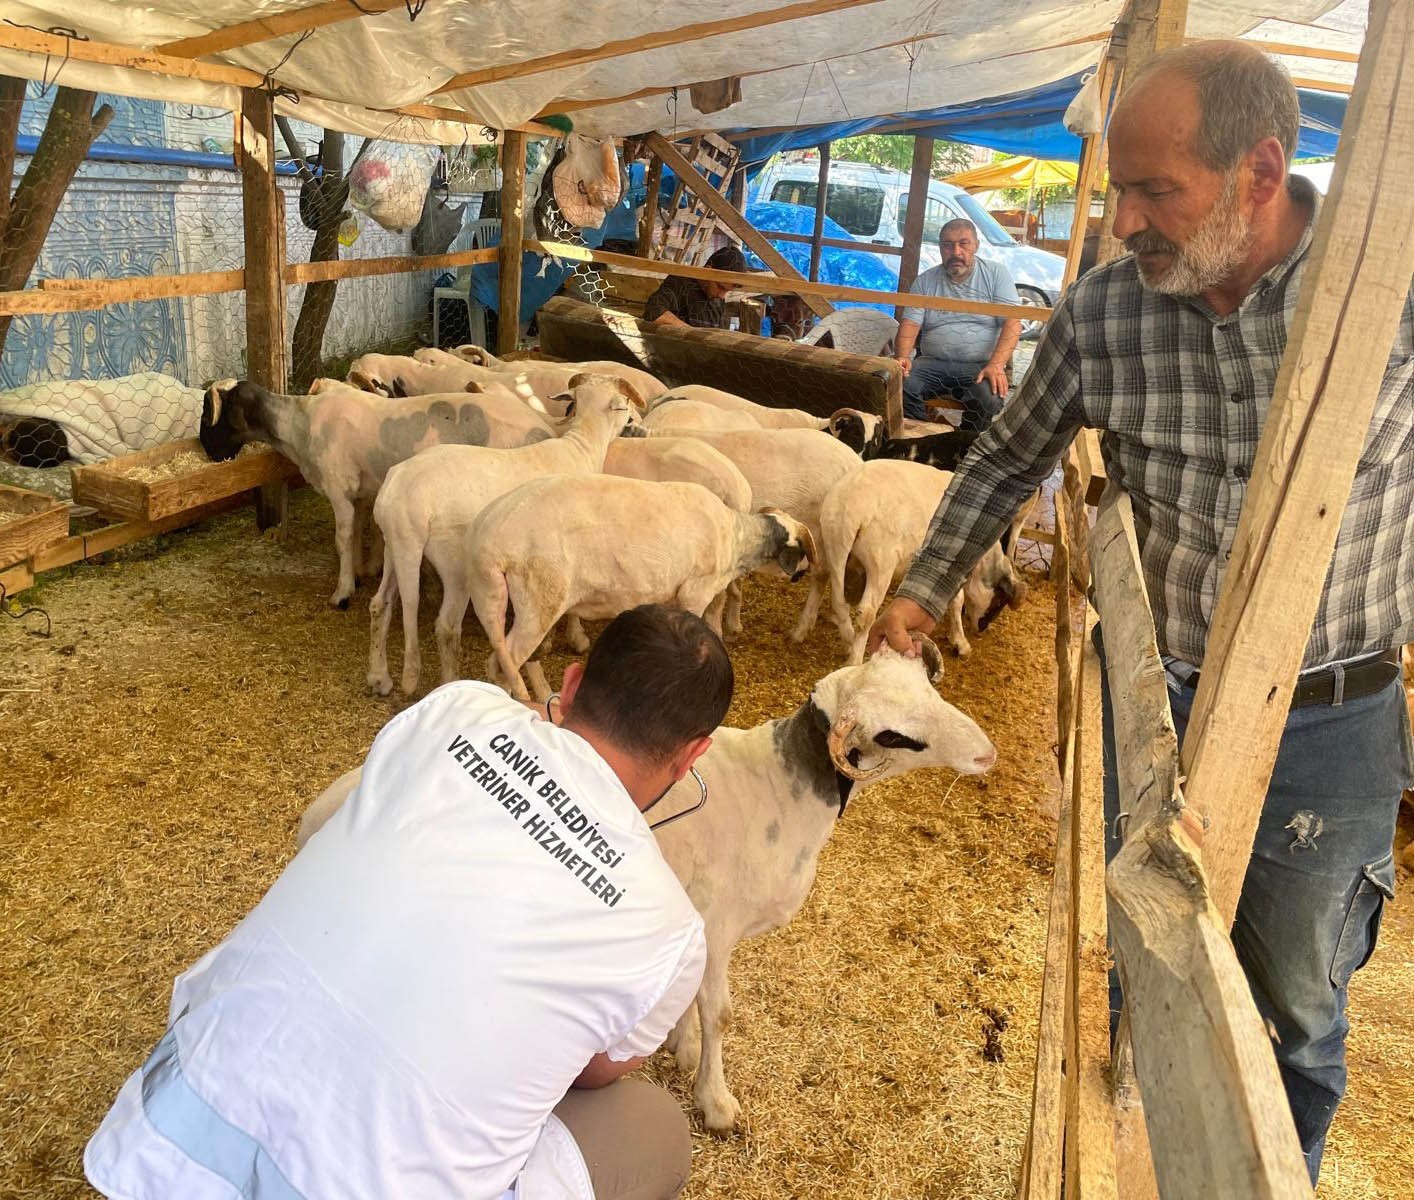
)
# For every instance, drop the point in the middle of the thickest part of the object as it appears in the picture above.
(1020, 172)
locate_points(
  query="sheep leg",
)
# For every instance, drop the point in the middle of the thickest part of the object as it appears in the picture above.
(712, 614)
(344, 544)
(455, 597)
(575, 637)
(539, 686)
(875, 587)
(685, 1041)
(811, 612)
(406, 560)
(380, 617)
(362, 510)
(720, 1109)
(731, 615)
(952, 623)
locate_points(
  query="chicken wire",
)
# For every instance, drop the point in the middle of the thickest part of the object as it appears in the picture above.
(158, 195)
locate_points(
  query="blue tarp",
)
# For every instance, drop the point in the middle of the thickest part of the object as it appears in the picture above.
(853, 268)
(1025, 123)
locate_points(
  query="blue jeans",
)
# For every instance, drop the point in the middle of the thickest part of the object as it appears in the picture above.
(1322, 868)
(930, 377)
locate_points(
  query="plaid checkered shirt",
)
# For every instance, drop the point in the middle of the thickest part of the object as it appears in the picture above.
(1180, 395)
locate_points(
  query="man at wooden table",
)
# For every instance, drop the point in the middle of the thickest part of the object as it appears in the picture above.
(1173, 352)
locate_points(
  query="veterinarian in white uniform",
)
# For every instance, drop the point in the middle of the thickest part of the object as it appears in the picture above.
(486, 921)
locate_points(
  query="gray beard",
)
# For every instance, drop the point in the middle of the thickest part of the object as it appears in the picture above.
(1217, 248)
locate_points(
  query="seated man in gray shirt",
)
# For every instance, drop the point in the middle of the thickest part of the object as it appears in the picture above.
(962, 355)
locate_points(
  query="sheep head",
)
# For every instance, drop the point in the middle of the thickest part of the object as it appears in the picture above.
(886, 719)
(792, 546)
(230, 415)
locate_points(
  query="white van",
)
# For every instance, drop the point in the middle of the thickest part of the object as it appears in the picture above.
(872, 203)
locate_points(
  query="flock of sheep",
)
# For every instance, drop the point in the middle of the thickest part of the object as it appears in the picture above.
(541, 492)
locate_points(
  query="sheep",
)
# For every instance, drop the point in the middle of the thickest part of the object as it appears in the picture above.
(535, 382)
(595, 547)
(344, 442)
(867, 436)
(748, 858)
(877, 518)
(792, 470)
(678, 415)
(764, 415)
(427, 505)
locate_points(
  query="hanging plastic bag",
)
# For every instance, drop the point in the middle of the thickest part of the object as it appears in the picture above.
(390, 183)
(1082, 115)
(586, 180)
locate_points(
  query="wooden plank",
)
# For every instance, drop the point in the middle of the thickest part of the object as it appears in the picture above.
(110, 487)
(1092, 154)
(1323, 85)
(1090, 1128)
(822, 192)
(79, 295)
(1294, 51)
(263, 214)
(648, 221)
(782, 235)
(648, 41)
(512, 241)
(1356, 279)
(359, 268)
(262, 29)
(721, 208)
(29, 521)
(759, 281)
(920, 175)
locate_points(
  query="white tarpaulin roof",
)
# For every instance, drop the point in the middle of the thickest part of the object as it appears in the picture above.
(859, 59)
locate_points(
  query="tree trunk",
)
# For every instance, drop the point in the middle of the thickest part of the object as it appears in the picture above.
(307, 344)
(72, 127)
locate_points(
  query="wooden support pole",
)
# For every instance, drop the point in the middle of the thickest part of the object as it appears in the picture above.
(1153, 27)
(822, 191)
(263, 210)
(648, 222)
(512, 241)
(920, 175)
(721, 208)
(1357, 277)
(1218, 1122)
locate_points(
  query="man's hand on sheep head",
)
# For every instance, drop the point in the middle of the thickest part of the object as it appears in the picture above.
(898, 624)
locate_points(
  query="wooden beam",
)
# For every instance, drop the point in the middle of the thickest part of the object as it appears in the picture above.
(721, 208)
(1356, 279)
(648, 221)
(1294, 51)
(263, 209)
(359, 268)
(782, 235)
(78, 295)
(822, 192)
(759, 281)
(262, 29)
(1323, 85)
(648, 41)
(56, 46)
(920, 176)
(512, 241)
(1214, 1104)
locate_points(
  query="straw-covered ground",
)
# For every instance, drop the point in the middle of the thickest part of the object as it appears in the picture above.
(197, 692)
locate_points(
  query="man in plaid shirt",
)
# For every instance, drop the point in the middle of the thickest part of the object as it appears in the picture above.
(1173, 352)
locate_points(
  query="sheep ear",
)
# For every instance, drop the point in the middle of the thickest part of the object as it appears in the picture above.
(474, 387)
(632, 394)
(581, 378)
(932, 658)
(363, 382)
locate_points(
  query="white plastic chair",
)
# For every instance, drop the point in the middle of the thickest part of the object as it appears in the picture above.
(856, 330)
(475, 235)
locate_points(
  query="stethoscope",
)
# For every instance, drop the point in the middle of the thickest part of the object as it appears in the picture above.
(693, 771)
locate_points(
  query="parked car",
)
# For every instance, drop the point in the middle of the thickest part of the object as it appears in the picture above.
(872, 204)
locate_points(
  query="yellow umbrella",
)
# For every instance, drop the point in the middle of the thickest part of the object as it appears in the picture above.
(1024, 172)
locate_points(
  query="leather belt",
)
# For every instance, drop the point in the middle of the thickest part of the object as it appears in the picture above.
(1337, 684)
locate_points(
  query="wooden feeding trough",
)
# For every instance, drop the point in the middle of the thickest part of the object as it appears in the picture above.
(170, 479)
(29, 521)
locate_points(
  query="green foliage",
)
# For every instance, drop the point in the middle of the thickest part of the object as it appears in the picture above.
(895, 150)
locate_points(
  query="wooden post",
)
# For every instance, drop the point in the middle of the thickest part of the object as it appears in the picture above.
(822, 189)
(512, 240)
(1152, 27)
(920, 176)
(721, 208)
(263, 210)
(1217, 1118)
(1356, 280)
(648, 222)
